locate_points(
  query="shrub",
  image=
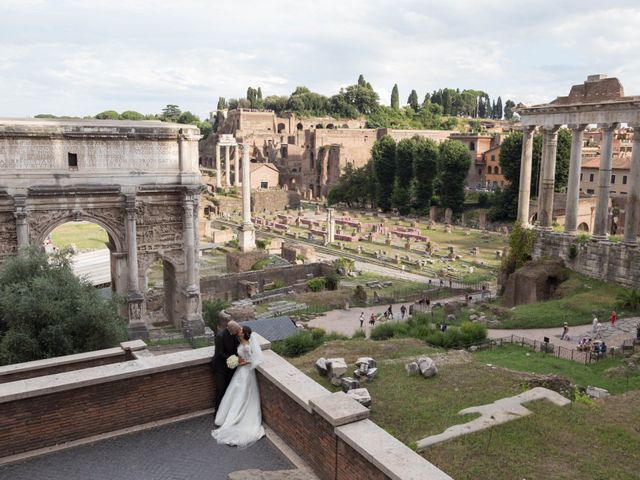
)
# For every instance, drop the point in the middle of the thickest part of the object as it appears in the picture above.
(211, 312)
(262, 244)
(316, 284)
(383, 331)
(573, 251)
(332, 281)
(629, 299)
(303, 342)
(473, 332)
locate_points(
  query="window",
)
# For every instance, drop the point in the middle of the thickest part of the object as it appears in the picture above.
(73, 161)
(613, 179)
(472, 145)
(264, 184)
(590, 191)
(591, 177)
(497, 171)
(493, 158)
(580, 177)
(480, 171)
(624, 179)
(489, 169)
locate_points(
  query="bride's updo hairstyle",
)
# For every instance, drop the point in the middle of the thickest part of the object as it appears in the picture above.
(246, 332)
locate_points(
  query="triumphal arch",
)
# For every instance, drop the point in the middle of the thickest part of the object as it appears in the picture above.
(601, 102)
(138, 180)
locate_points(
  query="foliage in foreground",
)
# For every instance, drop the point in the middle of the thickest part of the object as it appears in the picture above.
(211, 312)
(303, 342)
(420, 326)
(46, 311)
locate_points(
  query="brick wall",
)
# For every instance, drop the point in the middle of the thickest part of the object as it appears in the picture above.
(307, 433)
(353, 466)
(46, 420)
(50, 370)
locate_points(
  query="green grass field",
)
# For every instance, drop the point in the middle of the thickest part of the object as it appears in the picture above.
(577, 299)
(84, 235)
(578, 442)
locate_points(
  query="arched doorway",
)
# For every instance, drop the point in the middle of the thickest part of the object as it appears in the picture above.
(160, 305)
(583, 227)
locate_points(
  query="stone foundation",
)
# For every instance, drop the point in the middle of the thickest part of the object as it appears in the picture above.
(604, 260)
(243, 261)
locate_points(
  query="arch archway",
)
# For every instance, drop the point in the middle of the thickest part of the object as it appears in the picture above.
(300, 126)
(583, 227)
(489, 170)
(281, 127)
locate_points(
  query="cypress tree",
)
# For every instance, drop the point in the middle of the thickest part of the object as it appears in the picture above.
(413, 101)
(395, 98)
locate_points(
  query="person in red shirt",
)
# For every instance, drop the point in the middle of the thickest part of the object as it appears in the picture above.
(613, 318)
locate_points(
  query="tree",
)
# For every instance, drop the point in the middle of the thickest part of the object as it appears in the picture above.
(383, 156)
(188, 118)
(45, 311)
(413, 101)
(170, 113)
(276, 103)
(232, 103)
(131, 115)
(406, 151)
(454, 162)
(355, 187)
(395, 97)
(425, 169)
(108, 115)
(508, 109)
(222, 103)
(498, 109)
(205, 128)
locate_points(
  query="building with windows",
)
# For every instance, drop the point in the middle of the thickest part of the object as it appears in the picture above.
(620, 176)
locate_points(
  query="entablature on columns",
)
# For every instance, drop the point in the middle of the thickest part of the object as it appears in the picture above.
(590, 113)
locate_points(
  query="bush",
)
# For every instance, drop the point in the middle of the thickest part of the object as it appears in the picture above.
(332, 281)
(383, 331)
(262, 244)
(573, 251)
(211, 312)
(483, 200)
(629, 299)
(303, 342)
(316, 284)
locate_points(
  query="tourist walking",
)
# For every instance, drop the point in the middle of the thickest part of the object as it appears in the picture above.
(361, 320)
(390, 312)
(594, 324)
(403, 311)
(613, 319)
(565, 332)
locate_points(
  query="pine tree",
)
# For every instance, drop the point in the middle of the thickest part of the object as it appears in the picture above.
(413, 101)
(395, 98)
(361, 81)
(508, 109)
(498, 110)
(222, 103)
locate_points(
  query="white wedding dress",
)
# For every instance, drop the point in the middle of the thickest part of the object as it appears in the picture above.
(239, 416)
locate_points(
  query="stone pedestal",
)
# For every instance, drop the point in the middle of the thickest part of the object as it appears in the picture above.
(247, 237)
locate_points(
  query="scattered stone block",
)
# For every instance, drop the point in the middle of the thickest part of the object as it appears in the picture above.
(597, 392)
(349, 383)
(321, 366)
(361, 395)
(412, 369)
(427, 366)
(371, 373)
(370, 362)
(336, 367)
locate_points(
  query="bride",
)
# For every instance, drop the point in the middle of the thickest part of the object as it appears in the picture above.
(239, 416)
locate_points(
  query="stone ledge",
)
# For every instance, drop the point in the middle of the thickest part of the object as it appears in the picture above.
(58, 361)
(33, 387)
(290, 380)
(339, 409)
(387, 453)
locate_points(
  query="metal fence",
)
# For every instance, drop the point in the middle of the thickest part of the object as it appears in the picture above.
(558, 351)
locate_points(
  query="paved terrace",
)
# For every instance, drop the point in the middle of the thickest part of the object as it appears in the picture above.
(182, 450)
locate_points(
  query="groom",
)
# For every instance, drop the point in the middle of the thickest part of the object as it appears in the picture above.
(226, 344)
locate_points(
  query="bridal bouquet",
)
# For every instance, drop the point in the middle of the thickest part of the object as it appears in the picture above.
(232, 361)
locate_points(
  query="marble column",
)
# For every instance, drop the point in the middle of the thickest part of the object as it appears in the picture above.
(227, 166)
(22, 222)
(632, 211)
(135, 298)
(545, 200)
(573, 186)
(606, 158)
(524, 192)
(236, 166)
(246, 232)
(331, 226)
(188, 234)
(218, 169)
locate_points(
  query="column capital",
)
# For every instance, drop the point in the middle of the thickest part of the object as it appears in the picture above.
(528, 128)
(551, 128)
(578, 127)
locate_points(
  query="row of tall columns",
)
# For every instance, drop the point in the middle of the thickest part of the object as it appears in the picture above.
(632, 212)
(547, 180)
(227, 165)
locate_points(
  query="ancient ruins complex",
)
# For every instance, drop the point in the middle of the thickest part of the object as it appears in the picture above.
(600, 101)
(138, 180)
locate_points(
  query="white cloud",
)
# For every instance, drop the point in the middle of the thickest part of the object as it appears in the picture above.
(78, 57)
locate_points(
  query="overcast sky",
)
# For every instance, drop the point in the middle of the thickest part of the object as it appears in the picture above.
(80, 57)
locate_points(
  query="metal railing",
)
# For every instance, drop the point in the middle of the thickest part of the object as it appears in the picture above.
(545, 347)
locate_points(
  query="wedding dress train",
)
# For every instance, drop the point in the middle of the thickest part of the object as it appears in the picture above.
(239, 416)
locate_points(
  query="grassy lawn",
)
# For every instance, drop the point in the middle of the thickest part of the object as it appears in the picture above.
(84, 235)
(574, 442)
(609, 373)
(577, 299)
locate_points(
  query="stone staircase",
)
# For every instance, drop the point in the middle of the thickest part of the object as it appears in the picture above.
(281, 307)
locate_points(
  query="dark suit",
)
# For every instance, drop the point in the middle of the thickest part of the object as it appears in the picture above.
(225, 346)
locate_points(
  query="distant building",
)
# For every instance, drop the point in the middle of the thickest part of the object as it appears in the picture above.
(264, 175)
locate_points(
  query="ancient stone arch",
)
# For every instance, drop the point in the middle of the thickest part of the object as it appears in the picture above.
(138, 180)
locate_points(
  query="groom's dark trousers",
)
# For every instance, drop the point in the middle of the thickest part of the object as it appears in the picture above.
(225, 346)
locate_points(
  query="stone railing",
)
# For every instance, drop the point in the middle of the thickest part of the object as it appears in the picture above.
(329, 431)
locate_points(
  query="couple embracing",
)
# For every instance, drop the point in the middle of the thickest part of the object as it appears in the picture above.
(238, 415)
